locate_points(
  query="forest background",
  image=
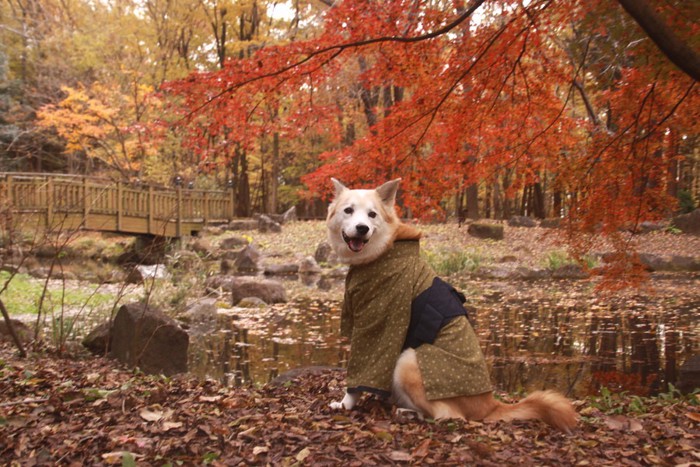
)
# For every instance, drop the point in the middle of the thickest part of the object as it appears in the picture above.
(484, 108)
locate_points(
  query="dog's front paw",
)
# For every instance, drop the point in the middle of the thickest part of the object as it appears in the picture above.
(337, 405)
(347, 403)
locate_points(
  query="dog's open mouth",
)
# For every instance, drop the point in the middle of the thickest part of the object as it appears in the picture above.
(355, 243)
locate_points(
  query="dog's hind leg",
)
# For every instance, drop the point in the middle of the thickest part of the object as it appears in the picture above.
(409, 390)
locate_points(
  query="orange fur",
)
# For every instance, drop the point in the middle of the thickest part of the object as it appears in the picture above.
(548, 406)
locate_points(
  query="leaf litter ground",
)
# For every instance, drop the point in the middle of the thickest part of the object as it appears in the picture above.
(79, 411)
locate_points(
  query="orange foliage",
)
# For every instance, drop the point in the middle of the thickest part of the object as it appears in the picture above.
(480, 96)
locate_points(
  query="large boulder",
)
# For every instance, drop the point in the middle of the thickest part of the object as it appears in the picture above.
(551, 223)
(247, 259)
(309, 265)
(242, 224)
(23, 332)
(98, 340)
(324, 254)
(143, 272)
(522, 221)
(281, 269)
(268, 290)
(266, 224)
(485, 230)
(145, 337)
(232, 243)
(688, 223)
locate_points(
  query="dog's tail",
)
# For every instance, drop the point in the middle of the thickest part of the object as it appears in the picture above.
(548, 406)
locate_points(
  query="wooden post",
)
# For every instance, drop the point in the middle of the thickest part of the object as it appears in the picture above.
(86, 202)
(178, 221)
(232, 212)
(10, 193)
(49, 202)
(205, 209)
(120, 194)
(150, 209)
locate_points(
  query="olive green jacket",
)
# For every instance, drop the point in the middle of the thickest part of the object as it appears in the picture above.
(376, 315)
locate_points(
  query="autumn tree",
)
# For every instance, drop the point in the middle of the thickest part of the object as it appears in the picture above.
(564, 97)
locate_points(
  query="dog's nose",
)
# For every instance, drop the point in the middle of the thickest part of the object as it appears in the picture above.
(361, 229)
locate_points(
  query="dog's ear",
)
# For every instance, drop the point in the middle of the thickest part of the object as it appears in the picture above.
(387, 192)
(339, 187)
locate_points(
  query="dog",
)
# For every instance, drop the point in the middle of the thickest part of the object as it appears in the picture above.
(410, 339)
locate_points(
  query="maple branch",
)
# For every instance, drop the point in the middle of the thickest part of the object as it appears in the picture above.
(434, 111)
(675, 49)
(339, 48)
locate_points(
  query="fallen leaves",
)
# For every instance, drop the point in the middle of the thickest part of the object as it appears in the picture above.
(149, 420)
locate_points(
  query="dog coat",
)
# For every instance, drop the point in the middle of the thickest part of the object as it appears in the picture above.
(377, 315)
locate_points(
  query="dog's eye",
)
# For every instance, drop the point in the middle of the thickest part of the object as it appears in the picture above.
(348, 210)
(372, 214)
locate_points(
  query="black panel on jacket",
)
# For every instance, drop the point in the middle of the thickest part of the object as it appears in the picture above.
(431, 310)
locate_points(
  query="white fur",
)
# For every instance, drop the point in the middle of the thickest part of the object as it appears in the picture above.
(353, 209)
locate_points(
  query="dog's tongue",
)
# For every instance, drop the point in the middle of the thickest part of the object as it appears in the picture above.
(356, 244)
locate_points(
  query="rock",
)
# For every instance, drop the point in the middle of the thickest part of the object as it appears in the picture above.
(666, 263)
(484, 230)
(688, 223)
(97, 340)
(522, 221)
(684, 263)
(218, 283)
(141, 272)
(24, 333)
(309, 265)
(290, 215)
(231, 243)
(569, 271)
(242, 224)
(508, 259)
(227, 266)
(325, 255)
(202, 246)
(648, 226)
(201, 316)
(252, 302)
(269, 291)
(551, 223)
(689, 375)
(281, 269)
(651, 262)
(265, 224)
(200, 311)
(247, 259)
(147, 338)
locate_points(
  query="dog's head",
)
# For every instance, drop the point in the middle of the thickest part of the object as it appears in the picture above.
(362, 223)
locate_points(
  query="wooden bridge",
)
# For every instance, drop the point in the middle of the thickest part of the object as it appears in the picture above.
(69, 202)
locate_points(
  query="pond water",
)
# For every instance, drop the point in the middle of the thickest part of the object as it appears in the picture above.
(555, 334)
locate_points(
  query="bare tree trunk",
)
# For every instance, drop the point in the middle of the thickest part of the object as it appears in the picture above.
(473, 201)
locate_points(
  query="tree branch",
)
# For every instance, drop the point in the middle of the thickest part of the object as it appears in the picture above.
(676, 50)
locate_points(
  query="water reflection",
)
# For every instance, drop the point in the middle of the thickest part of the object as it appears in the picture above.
(562, 340)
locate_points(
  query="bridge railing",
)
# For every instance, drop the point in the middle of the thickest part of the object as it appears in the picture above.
(102, 204)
